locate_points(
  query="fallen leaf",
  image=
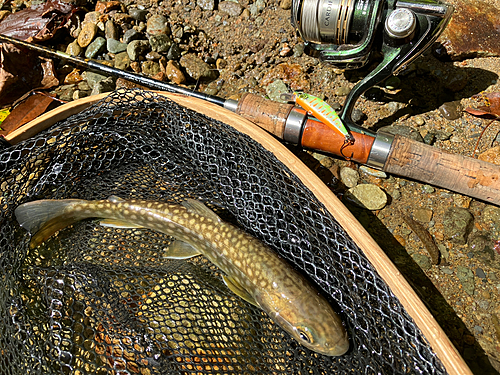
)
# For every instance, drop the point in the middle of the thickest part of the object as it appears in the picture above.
(39, 22)
(22, 71)
(26, 111)
(491, 108)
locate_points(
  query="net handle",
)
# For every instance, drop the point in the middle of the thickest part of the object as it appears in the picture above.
(436, 337)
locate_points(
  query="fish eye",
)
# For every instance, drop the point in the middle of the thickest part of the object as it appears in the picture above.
(305, 335)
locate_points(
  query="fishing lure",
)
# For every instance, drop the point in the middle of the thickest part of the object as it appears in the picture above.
(323, 112)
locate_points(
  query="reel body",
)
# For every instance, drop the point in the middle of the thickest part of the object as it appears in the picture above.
(345, 32)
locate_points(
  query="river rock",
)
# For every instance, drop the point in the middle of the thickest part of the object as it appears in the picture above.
(174, 52)
(87, 35)
(404, 131)
(105, 85)
(157, 24)
(150, 68)
(457, 224)
(275, 89)
(367, 196)
(424, 215)
(349, 177)
(451, 110)
(132, 34)
(93, 78)
(110, 30)
(231, 8)
(174, 73)
(95, 48)
(114, 46)
(160, 43)
(137, 48)
(465, 37)
(206, 4)
(122, 61)
(138, 14)
(74, 49)
(196, 68)
(466, 277)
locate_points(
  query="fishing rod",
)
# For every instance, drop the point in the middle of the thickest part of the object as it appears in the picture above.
(407, 30)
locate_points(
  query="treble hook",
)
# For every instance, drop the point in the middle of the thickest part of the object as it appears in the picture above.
(348, 140)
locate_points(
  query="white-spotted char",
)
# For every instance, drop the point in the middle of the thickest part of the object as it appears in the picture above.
(252, 270)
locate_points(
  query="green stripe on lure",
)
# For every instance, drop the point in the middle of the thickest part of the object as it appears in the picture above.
(252, 270)
(322, 111)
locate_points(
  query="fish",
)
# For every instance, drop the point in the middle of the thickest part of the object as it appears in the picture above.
(251, 269)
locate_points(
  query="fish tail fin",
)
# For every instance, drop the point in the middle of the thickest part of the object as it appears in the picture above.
(45, 217)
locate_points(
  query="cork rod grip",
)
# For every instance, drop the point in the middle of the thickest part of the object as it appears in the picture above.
(269, 115)
(458, 173)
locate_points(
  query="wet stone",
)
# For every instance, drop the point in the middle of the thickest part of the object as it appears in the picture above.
(372, 172)
(114, 46)
(137, 48)
(392, 83)
(131, 35)
(174, 53)
(122, 61)
(196, 68)
(206, 4)
(457, 224)
(138, 14)
(95, 48)
(367, 196)
(160, 43)
(157, 24)
(298, 50)
(349, 177)
(88, 33)
(451, 110)
(74, 49)
(231, 8)
(174, 72)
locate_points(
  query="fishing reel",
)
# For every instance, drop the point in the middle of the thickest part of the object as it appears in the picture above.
(345, 33)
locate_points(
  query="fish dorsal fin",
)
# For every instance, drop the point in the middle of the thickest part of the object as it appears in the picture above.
(115, 199)
(115, 223)
(181, 250)
(199, 208)
(237, 289)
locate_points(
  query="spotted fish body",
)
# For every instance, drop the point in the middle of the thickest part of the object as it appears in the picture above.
(252, 270)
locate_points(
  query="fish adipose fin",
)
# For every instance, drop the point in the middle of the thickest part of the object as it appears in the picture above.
(45, 217)
(237, 289)
(199, 208)
(181, 250)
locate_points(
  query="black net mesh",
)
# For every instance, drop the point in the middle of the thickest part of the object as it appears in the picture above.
(99, 300)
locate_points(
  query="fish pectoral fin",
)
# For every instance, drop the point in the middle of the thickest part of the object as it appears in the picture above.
(114, 223)
(199, 208)
(237, 289)
(181, 250)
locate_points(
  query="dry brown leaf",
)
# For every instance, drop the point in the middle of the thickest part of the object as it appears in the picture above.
(28, 110)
